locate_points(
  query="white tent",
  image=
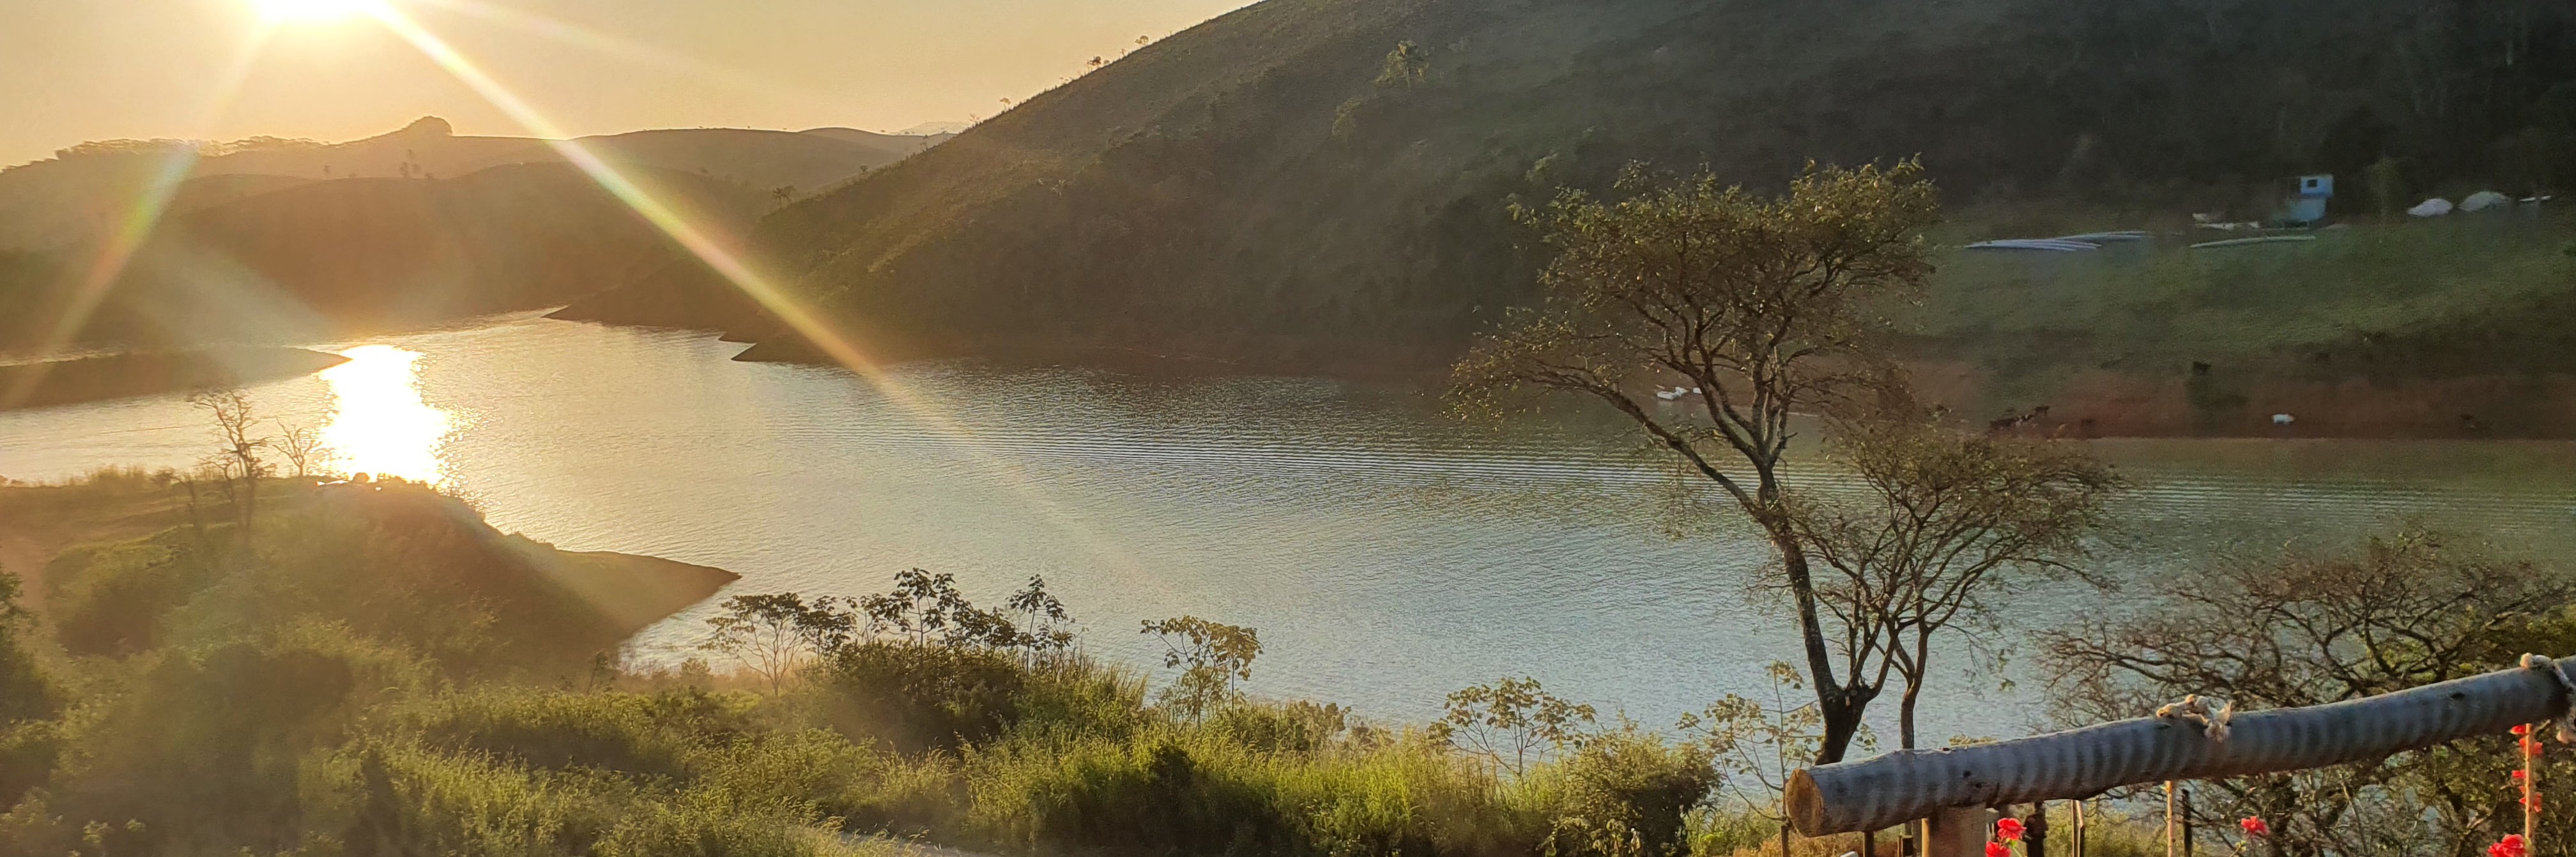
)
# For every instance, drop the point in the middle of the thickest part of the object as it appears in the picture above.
(2485, 199)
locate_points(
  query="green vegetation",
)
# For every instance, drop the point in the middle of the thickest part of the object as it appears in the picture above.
(1323, 184)
(362, 680)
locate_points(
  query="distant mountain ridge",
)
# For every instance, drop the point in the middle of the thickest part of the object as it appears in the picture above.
(1323, 183)
(330, 259)
(282, 241)
(73, 195)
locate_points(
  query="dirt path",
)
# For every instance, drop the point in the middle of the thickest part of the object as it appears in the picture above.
(38, 523)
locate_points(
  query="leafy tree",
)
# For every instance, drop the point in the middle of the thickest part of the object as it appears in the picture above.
(1405, 66)
(1767, 305)
(924, 606)
(1946, 519)
(1512, 716)
(25, 694)
(1213, 658)
(775, 634)
(2387, 184)
(1050, 628)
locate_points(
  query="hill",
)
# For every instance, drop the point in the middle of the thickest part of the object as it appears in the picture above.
(73, 196)
(127, 562)
(116, 376)
(1322, 184)
(326, 259)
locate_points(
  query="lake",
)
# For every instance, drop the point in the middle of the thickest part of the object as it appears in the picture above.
(1387, 553)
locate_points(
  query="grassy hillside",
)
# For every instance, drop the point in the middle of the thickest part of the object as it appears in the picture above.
(2443, 328)
(73, 196)
(377, 672)
(329, 258)
(139, 562)
(1262, 188)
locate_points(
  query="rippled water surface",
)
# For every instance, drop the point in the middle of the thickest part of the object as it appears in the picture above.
(1388, 554)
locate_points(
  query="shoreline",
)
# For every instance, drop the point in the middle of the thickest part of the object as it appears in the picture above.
(107, 377)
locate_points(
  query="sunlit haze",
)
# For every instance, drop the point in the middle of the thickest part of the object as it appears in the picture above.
(105, 69)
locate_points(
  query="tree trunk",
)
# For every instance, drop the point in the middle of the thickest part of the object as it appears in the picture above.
(1905, 712)
(1836, 705)
(2081, 763)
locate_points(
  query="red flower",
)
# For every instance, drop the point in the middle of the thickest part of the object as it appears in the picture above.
(2531, 747)
(2255, 827)
(2009, 829)
(2519, 774)
(2510, 846)
(1998, 849)
(2522, 729)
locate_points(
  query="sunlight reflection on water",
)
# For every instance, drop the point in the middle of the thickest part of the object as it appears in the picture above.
(378, 422)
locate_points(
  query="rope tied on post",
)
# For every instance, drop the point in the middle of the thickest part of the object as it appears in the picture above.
(2210, 712)
(2567, 719)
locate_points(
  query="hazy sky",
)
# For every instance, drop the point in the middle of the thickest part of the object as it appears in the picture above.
(74, 70)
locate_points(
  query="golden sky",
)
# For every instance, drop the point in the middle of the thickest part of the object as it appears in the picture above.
(75, 70)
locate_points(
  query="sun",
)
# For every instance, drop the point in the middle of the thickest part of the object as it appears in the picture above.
(280, 11)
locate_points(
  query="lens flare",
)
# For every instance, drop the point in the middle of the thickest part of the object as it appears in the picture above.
(136, 223)
(722, 258)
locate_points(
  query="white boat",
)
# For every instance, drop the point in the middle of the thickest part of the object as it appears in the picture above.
(2105, 237)
(2259, 239)
(2051, 245)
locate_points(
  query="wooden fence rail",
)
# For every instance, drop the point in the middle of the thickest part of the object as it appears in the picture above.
(1887, 790)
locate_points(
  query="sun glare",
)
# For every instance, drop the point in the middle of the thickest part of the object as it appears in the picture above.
(378, 422)
(280, 11)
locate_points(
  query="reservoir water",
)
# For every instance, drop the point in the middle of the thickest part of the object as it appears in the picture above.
(1387, 553)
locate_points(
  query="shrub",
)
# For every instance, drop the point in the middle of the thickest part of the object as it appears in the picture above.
(919, 696)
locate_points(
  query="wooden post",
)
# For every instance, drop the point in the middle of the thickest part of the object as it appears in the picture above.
(2530, 787)
(2173, 848)
(2037, 829)
(1958, 832)
(2080, 813)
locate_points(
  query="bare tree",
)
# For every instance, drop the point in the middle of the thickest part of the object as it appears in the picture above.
(2307, 628)
(1765, 306)
(1946, 518)
(236, 459)
(300, 445)
(1757, 744)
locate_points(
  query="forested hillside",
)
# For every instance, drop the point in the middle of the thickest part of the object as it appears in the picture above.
(1324, 183)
